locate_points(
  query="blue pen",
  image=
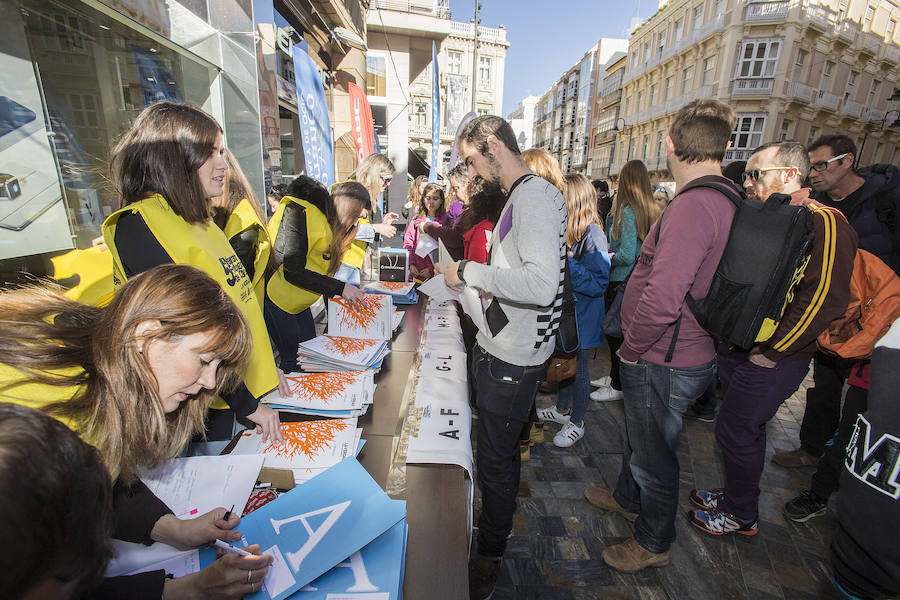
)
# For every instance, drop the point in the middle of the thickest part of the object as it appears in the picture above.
(229, 548)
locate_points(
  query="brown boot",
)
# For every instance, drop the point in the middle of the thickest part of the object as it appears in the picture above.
(629, 557)
(792, 459)
(604, 500)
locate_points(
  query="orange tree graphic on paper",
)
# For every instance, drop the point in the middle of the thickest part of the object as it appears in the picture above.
(347, 346)
(320, 386)
(393, 286)
(306, 438)
(360, 314)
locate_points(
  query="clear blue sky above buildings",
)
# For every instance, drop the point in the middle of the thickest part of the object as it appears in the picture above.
(549, 36)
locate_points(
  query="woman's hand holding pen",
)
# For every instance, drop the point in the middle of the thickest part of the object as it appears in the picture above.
(193, 533)
(232, 576)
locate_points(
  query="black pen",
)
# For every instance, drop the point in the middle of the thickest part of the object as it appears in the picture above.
(228, 512)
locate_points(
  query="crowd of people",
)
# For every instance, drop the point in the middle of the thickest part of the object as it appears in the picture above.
(212, 298)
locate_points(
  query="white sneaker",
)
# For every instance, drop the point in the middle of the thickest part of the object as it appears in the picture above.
(551, 414)
(568, 435)
(602, 382)
(606, 394)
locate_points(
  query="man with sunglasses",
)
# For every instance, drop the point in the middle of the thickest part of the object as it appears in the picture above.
(756, 383)
(869, 199)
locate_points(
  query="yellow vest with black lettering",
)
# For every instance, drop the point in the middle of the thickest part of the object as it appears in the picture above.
(241, 219)
(94, 269)
(204, 246)
(287, 296)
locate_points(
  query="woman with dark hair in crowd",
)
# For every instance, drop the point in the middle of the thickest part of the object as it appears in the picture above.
(431, 208)
(634, 211)
(134, 379)
(311, 231)
(168, 166)
(604, 199)
(457, 191)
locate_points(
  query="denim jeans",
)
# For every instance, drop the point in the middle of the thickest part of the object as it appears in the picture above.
(575, 391)
(505, 393)
(656, 397)
(286, 331)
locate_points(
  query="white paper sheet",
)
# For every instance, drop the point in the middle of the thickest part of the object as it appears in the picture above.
(444, 258)
(471, 305)
(437, 289)
(426, 245)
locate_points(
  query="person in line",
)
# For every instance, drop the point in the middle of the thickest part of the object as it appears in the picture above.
(273, 197)
(311, 231)
(679, 256)
(167, 167)
(520, 287)
(457, 195)
(375, 173)
(871, 202)
(416, 189)
(589, 267)
(604, 199)
(633, 212)
(134, 379)
(431, 208)
(756, 383)
(46, 470)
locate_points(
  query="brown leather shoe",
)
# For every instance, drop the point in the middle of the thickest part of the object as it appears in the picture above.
(483, 574)
(792, 459)
(629, 557)
(604, 500)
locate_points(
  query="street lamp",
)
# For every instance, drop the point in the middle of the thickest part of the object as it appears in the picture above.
(895, 97)
(623, 127)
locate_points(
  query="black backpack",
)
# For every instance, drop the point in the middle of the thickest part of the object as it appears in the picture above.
(764, 258)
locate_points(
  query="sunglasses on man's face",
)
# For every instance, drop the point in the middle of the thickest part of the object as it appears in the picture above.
(821, 166)
(755, 174)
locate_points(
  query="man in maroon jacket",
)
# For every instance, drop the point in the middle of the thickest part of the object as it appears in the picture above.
(661, 380)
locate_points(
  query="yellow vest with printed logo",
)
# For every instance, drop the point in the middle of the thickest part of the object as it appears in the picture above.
(287, 296)
(241, 219)
(94, 269)
(204, 246)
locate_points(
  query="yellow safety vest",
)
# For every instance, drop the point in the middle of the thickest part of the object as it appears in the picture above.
(355, 255)
(204, 246)
(94, 269)
(241, 219)
(287, 296)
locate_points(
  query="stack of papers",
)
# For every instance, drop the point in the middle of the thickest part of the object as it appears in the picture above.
(309, 447)
(369, 318)
(401, 292)
(337, 353)
(340, 394)
(339, 518)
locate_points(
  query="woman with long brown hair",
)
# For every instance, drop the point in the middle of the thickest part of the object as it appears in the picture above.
(633, 212)
(431, 209)
(134, 379)
(311, 231)
(589, 268)
(167, 168)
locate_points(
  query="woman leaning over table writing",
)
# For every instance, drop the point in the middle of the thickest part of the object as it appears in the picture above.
(134, 379)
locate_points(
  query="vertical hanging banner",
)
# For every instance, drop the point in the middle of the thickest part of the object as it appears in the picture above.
(361, 122)
(435, 116)
(315, 126)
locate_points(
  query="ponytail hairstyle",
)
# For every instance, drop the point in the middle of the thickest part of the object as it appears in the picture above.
(93, 352)
(348, 199)
(581, 206)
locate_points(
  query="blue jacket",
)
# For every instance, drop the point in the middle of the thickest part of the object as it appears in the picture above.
(627, 247)
(589, 268)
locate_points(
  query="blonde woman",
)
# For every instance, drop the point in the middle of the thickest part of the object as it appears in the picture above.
(375, 173)
(589, 266)
(543, 163)
(134, 379)
(634, 211)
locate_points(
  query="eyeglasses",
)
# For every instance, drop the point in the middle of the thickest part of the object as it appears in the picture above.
(821, 166)
(386, 180)
(755, 174)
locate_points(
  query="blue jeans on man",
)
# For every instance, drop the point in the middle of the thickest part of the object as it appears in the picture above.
(574, 392)
(656, 397)
(504, 395)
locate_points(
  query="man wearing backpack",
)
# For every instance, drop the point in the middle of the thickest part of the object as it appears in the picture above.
(660, 380)
(755, 383)
(870, 200)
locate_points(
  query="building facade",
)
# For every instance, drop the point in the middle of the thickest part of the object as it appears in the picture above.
(605, 118)
(400, 35)
(522, 122)
(791, 70)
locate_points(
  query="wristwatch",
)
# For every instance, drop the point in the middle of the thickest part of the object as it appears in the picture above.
(460, 269)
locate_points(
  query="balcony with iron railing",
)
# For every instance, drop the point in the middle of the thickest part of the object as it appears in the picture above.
(417, 131)
(732, 155)
(486, 34)
(800, 91)
(827, 100)
(700, 33)
(767, 11)
(874, 114)
(417, 7)
(753, 87)
(851, 108)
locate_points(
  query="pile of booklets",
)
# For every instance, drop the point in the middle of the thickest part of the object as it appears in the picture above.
(340, 394)
(336, 536)
(339, 353)
(400, 292)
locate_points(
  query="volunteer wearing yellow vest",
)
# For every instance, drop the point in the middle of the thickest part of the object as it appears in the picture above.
(167, 167)
(238, 214)
(310, 232)
(374, 173)
(134, 379)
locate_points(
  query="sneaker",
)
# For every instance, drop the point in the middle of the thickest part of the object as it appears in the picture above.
(629, 557)
(551, 414)
(706, 417)
(568, 435)
(601, 382)
(708, 499)
(606, 394)
(791, 459)
(483, 574)
(716, 522)
(804, 507)
(603, 499)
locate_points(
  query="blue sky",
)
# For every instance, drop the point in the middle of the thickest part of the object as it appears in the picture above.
(548, 36)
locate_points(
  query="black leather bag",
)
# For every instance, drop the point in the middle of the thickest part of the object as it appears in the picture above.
(567, 332)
